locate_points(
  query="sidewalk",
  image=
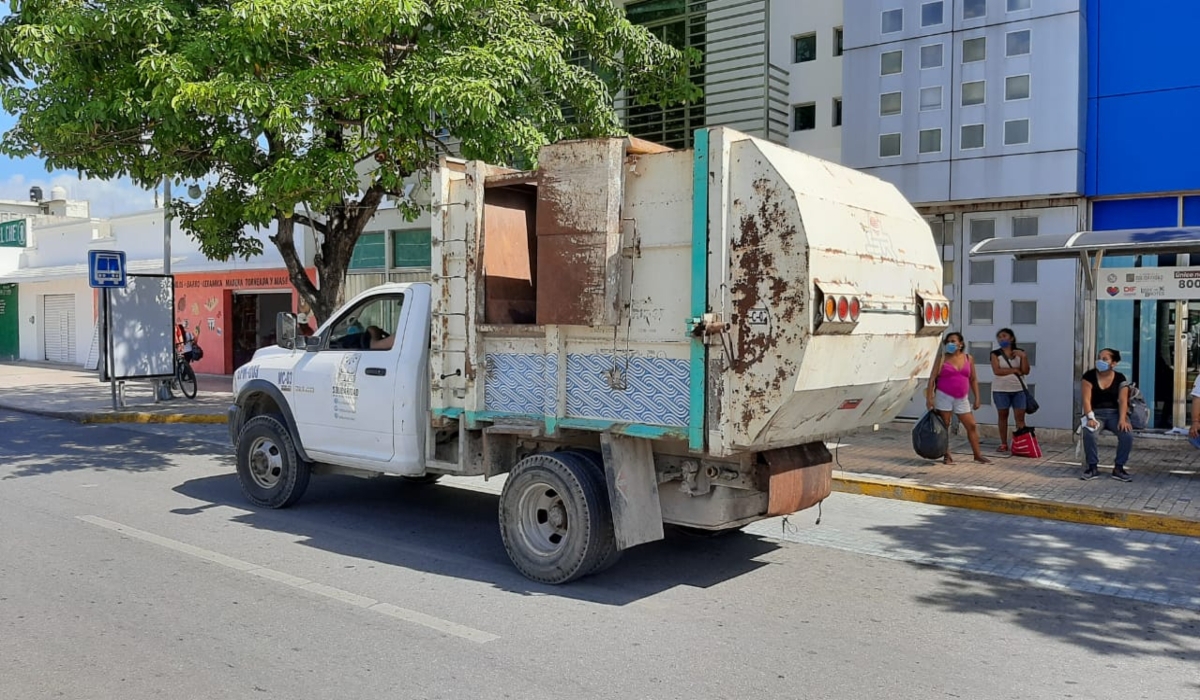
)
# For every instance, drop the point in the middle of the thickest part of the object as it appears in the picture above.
(1164, 496)
(76, 394)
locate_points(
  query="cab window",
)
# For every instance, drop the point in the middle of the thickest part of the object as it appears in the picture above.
(370, 325)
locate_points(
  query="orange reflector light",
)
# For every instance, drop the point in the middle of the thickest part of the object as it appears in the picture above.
(946, 314)
(830, 308)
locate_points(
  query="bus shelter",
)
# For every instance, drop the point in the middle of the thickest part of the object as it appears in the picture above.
(1173, 286)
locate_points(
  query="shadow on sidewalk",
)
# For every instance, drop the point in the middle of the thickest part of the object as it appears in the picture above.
(1112, 628)
(32, 446)
(449, 531)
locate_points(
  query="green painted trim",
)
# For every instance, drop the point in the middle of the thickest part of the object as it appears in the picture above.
(697, 378)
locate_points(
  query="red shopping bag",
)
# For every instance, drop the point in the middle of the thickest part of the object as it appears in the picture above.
(1025, 444)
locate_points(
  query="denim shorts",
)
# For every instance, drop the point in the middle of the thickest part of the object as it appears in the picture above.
(1004, 400)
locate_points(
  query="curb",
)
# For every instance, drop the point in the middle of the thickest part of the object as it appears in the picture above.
(96, 418)
(1016, 505)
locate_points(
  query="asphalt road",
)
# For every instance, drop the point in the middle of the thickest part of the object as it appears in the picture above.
(130, 567)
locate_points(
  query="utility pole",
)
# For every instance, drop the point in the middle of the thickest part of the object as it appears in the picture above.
(164, 389)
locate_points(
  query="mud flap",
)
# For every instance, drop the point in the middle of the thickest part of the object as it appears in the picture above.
(632, 489)
(798, 477)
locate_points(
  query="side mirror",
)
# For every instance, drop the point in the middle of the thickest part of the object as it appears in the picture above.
(285, 330)
(312, 343)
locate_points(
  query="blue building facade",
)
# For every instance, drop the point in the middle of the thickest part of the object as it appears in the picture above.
(1143, 170)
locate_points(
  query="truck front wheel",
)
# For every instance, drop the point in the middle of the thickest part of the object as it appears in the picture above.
(554, 517)
(270, 472)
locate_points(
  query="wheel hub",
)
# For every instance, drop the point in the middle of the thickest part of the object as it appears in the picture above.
(266, 463)
(544, 522)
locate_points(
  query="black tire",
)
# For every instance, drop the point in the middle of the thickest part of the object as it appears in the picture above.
(270, 472)
(422, 479)
(554, 517)
(611, 555)
(187, 380)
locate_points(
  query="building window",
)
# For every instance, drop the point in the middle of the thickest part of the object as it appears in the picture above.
(930, 141)
(804, 117)
(983, 272)
(971, 137)
(931, 56)
(931, 98)
(893, 21)
(804, 48)
(889, 145)
(931, 14)
(682, 25)
(837, 41)
(1024, 226)
(974, 9)
(974, 49)
(1030, 352)
(979, 313)
(837, 112)
(370, 251)
(1018, 5)
(982, 230)
(891, 62)
(1016, 43)
(412, 248)
(890, 103)
(973, 93)
(1016, 132)
(1025, 272)
(981, 353)
(1024, 313)
(1016, 87)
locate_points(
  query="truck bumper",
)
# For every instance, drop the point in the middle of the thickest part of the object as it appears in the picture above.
(233, 417)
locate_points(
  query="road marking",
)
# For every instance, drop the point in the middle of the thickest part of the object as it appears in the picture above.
(358, 601)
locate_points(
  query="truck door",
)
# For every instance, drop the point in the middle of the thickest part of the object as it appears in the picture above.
(344, 392)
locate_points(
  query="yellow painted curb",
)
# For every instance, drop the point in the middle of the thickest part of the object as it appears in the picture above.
(207, 419)
(1017, 505)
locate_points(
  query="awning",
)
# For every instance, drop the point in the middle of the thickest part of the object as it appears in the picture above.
(61, 272)
(1141, 241)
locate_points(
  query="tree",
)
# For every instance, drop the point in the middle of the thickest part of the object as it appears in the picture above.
(272, 103)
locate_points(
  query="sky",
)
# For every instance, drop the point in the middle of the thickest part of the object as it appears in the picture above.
(107, 197)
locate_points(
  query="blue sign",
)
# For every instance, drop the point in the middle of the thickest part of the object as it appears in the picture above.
(106, 269)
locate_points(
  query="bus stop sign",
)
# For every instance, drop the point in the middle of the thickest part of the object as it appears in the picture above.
(106, 269)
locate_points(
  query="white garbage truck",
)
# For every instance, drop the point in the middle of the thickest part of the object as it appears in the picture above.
(633, 335)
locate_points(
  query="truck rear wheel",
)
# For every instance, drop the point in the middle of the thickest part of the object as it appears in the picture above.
(271, 473)
(554, 517)
(611, 555)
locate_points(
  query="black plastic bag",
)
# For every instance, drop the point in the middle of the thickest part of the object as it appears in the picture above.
(930, 437)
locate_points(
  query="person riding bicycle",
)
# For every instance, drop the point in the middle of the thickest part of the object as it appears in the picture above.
(185, 342)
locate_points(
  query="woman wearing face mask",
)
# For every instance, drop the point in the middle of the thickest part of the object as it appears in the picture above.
(1106, 407)
(1009, 364)
(950, 387)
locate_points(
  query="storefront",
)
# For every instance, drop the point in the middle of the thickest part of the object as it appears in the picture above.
(232, 314)
(10, 323)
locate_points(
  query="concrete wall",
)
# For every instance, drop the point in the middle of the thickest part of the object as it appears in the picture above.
(818, 81)
(31, 297)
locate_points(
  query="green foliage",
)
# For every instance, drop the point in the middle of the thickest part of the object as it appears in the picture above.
(273, 102)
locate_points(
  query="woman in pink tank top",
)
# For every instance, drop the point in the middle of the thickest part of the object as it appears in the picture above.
(950, 388)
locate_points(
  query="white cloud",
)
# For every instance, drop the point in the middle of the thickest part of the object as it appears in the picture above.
(107, 197)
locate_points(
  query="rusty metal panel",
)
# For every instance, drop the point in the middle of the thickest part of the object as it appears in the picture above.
(509, 263)
(782, 224)
(579, 232)
(798, 477)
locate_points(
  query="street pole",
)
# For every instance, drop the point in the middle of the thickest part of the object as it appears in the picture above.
(164, 389)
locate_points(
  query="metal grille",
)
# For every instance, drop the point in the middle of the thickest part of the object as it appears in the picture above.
(742, 88)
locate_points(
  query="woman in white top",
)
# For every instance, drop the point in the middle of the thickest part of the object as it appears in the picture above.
(1009, 364)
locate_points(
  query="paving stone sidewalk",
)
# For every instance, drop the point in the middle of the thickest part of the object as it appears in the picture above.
(1165, 482)
(72, 392)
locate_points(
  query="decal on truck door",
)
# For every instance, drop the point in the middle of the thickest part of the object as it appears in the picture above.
(345, 388)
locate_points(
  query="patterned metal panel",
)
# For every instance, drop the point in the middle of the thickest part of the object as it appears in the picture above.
(655, 393)
(524, 384)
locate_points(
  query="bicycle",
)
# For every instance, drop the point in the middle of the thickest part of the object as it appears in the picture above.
(185, 377)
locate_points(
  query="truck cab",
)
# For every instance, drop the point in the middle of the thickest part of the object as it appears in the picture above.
(354, 394)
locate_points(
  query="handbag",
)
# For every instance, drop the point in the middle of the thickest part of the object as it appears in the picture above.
(1139, 412)
(1031, 404)
(1025, 444)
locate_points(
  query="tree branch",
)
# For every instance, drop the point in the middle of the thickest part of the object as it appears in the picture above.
(318, 226)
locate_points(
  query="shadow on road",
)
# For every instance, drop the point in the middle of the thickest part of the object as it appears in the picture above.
(1089, 558)
(451, 531)
(31, 446)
